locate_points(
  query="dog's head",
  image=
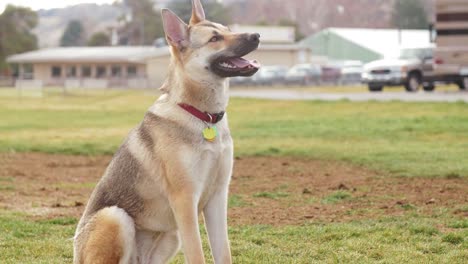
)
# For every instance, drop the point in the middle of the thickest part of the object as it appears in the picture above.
(204, 48)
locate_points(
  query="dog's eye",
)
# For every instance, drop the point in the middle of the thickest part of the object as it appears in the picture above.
(215, 39)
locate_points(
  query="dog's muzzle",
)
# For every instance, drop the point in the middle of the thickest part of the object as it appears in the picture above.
(230, 62)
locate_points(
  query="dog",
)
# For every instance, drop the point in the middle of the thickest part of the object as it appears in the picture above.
(177, 163)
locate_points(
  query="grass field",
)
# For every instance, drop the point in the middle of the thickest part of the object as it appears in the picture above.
(406, 139)
(412, 239)
(396, 140)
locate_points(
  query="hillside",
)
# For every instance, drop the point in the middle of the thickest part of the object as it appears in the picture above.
(314, 15)
(94, 18)
(311, 15)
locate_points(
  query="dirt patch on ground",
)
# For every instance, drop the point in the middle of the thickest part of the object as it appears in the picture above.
(277, 191)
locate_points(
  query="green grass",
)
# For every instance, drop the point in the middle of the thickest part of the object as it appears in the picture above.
(271, 195)
(403, 139)
(336, 197)
(455, 239)
(406, 139)
(459, 224)
(236, 201)
(408, 239)
(27, 241)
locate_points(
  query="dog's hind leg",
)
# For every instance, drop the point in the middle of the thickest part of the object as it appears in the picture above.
(168, 244)
(108, 238)
(157, 248)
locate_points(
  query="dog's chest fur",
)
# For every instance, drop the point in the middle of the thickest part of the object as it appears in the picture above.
(177, 156)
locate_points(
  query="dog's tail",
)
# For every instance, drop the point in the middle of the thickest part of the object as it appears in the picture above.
(108, 237)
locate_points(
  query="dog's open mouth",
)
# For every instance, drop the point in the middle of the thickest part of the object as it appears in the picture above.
(230, 67)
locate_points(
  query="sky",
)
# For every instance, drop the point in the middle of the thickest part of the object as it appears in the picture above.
(47, 4)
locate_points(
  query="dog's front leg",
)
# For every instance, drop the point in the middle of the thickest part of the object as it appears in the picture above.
(215, 214)
(186, 215)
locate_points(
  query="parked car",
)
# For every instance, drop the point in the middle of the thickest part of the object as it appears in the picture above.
(351, 72)
(331, 74)
(270, 75)
(411, 69)
(304, 74)
(241, 81)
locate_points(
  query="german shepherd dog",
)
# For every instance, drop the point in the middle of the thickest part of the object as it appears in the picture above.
(177, 162)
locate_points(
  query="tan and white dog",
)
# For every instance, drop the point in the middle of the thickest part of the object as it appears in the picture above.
(177, 162)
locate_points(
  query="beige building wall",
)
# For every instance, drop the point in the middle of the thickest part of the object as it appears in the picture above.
(157, 69)
(43, 71)
(279, 57)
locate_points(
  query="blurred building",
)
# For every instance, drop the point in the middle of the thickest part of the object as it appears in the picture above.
(93, 67)
(363, 44)
(277, 45)
(139, 67)
(269, 34)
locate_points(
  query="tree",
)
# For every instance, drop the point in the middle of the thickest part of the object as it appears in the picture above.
(262, 23)
(16, 25)
(73, 34)
(214, 11)
(99, 39)
(289, 23)
(142, 23)
(410, 14)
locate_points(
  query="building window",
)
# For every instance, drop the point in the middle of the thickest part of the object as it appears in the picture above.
(116, 71)
(85, 71)
(71, 71)
(56, 71)
(28, 71)
(101, 71)
(131, 71)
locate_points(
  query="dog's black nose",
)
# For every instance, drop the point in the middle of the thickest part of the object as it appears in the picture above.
(255, 37)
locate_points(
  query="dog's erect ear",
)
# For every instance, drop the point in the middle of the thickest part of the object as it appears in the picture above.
(198, 14)
(176, 30)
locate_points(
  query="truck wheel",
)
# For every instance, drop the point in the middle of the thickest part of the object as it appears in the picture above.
(375, 88)
(429, 87)
(412, 85)
(463, 83)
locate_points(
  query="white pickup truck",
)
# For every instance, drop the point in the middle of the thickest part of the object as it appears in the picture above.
(410, 70)
(414, 68)
(445, 62)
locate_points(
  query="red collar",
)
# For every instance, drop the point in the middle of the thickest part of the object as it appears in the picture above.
(204, 116)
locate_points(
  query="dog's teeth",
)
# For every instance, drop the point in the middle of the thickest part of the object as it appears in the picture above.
(227, 65)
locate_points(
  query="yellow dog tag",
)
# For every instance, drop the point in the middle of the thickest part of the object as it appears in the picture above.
(210, 133)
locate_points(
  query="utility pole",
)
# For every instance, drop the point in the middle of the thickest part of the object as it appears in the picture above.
(142, 32)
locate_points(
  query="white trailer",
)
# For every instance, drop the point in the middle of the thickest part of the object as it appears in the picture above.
(451, 38)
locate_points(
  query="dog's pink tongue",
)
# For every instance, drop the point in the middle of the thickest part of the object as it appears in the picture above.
(243, 63)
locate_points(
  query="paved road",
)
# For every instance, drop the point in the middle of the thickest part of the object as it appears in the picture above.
(283, 94)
